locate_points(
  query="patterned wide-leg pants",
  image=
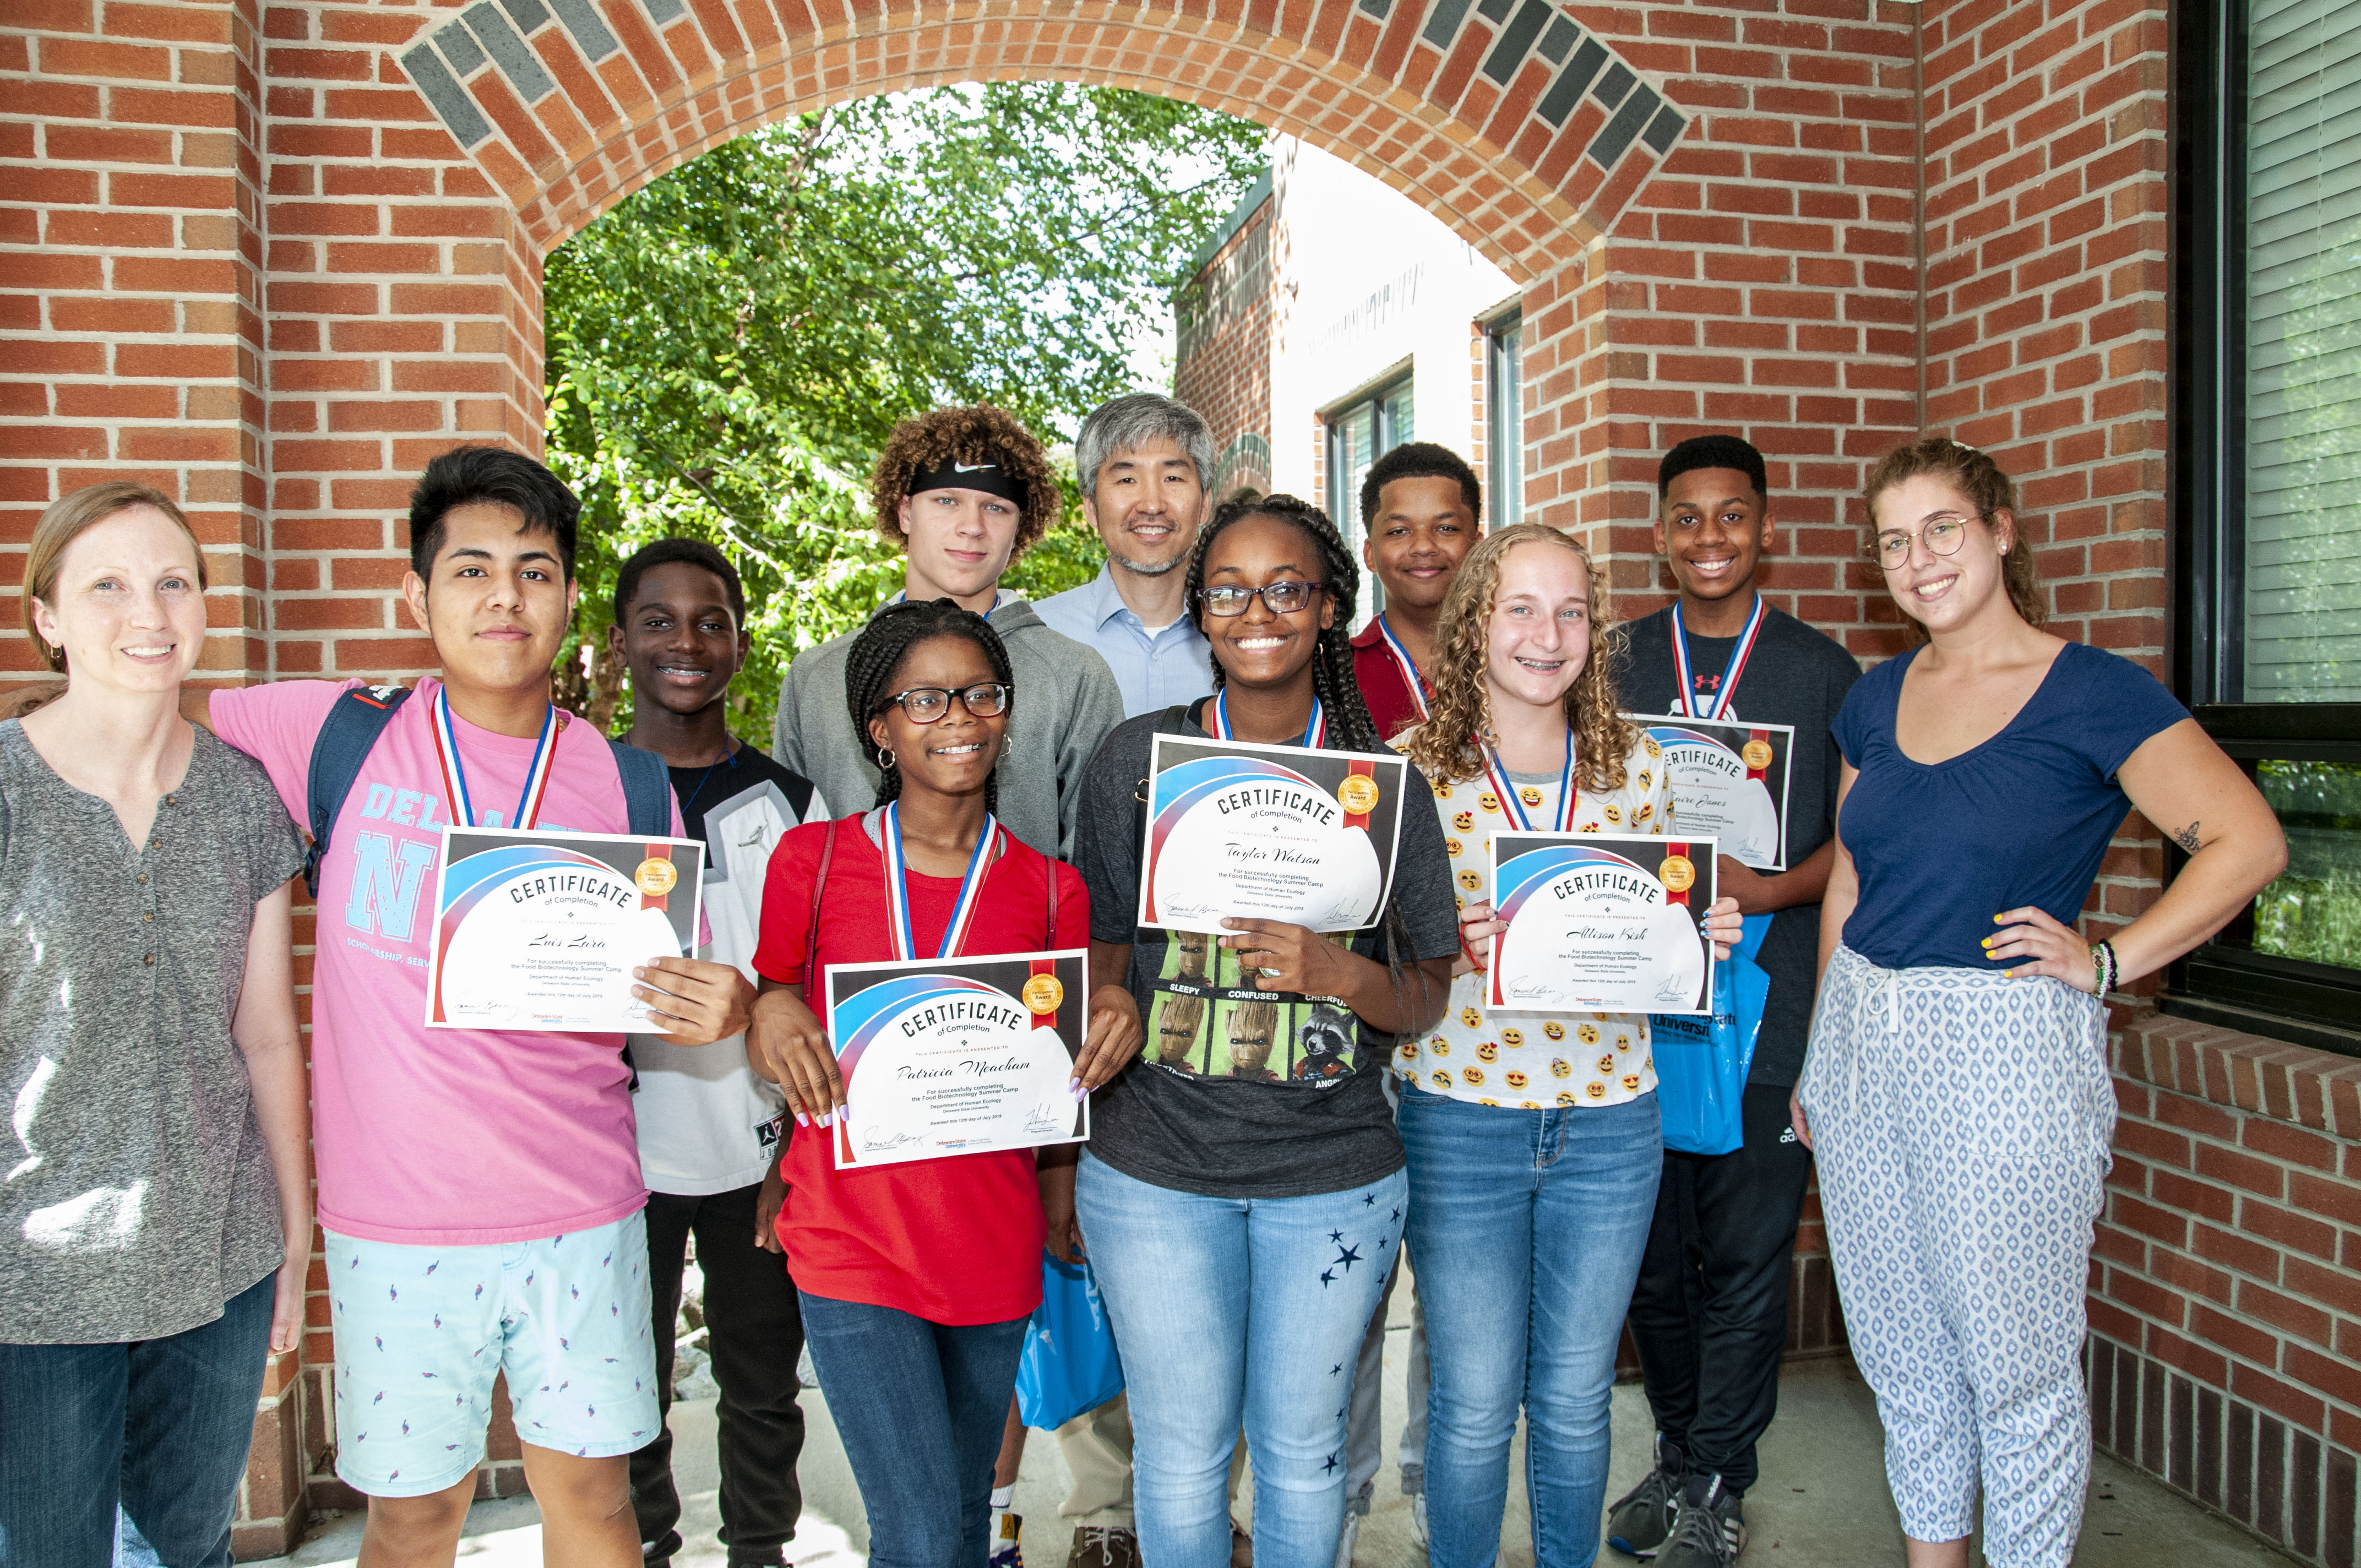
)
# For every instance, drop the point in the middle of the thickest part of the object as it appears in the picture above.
(1961, 1123)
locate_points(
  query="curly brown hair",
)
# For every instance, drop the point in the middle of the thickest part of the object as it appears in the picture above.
(1981, 482)
(975, 433)
(1444, 746)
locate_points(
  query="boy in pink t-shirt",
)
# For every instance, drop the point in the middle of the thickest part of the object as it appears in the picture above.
(480, 1191)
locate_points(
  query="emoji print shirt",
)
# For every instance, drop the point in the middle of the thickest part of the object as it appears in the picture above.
(1534, 1061)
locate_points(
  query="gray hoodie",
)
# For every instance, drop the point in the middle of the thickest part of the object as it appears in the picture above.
(1067, 701)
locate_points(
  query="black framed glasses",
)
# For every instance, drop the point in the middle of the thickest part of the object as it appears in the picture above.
(1279, 598)
(928, 705)
(1942, 535)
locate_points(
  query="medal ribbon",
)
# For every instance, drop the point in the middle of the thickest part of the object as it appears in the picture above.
(1499, 772)
(1315, 734)
(1410, 677)
(1691, 704)
(898, 892)
(455, 772)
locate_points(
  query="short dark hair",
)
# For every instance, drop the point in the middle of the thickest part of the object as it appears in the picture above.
(494, 474)
(1420, 460)
(1712, 452)
(678, 552)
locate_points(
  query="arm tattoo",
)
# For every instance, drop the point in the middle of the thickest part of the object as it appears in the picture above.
(2186, 839)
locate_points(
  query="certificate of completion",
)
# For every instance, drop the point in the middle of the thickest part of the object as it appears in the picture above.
(1730, 780)
(957, 1056)
(1237, 831)
(540, 930)
(1600, 922)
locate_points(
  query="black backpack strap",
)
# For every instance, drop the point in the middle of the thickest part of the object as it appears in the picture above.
(647, 791)
(343, 743)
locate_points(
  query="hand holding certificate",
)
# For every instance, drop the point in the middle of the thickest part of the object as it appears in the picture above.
(1247, 831)
(543, 930)
(1600, 922)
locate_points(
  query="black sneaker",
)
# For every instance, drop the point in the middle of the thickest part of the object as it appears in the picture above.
(1708, 1532)
(1642, 1517)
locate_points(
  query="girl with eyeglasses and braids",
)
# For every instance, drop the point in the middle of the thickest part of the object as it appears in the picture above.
(1954, 1092)
(1533, 1139)
(1243, 1191)
(917, 1279)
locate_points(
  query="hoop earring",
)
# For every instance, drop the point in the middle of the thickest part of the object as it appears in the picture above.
(1007, 744)
(885, 759)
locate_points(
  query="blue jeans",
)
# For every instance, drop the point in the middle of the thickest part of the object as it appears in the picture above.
(1231, 1309)
(920, 1405)
(1526, 1229)
(148, 1435)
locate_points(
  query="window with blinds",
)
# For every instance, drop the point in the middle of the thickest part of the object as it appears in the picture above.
(2302, 580)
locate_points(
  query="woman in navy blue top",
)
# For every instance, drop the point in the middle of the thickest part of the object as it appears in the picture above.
(1954, 1091)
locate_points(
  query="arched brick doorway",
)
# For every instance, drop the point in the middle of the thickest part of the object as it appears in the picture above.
(271, 256)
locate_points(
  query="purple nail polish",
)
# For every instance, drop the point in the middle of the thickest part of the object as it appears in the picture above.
(802, 1120)
(1081, 1095)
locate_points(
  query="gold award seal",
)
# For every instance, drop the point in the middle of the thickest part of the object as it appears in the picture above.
(1358, 794)
(1757, 754)
(1677, 873)
(655, 877)
(1042, 993)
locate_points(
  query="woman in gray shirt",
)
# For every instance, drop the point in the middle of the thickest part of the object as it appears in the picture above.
(154, 1195)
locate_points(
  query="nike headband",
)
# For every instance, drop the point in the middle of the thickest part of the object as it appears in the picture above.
(991, 476)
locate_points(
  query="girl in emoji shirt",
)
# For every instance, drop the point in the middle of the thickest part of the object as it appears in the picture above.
(1533, 1142)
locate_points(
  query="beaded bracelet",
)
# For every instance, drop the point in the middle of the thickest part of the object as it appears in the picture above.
(2102, 960)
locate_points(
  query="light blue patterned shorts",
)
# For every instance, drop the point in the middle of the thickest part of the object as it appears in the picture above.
(421, 1332)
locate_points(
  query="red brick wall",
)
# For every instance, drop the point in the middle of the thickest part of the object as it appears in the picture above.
(1224, 344)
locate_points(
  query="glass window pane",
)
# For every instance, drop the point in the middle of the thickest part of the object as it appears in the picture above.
(1505, 438)
(2303, 583)
(2314, 910)
(1397, 424)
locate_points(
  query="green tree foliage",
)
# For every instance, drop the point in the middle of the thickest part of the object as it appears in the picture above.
(730, 347)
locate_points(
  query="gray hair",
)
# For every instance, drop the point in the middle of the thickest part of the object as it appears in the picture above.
(1129, 422)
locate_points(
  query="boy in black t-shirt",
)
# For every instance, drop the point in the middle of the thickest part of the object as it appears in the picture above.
(709, 1127)
(1710, 1313)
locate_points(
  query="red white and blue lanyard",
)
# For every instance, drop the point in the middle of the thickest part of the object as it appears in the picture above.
(898, 892)
(1692, 705)
(455, 772)
(1410, 677)
(1515, 808)
(1315, 734)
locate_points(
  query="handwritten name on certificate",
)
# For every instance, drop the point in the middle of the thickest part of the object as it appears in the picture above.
(1729, 780)
(1237, 831)
(541, 929)
(957, 1056)
(1600, 922)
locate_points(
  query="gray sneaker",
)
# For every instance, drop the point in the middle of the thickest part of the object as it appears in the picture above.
(1642, 1517)
(1708, 1532)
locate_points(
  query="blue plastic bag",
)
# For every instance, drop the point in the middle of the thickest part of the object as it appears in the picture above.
(1701, 1062)
(1070, 1364)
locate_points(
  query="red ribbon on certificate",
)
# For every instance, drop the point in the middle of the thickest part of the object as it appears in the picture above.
(1685, 874)
(1359, 768)
(649, 900)
(1757, 738)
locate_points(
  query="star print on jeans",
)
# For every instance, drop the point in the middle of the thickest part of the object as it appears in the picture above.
(1327, 1276)
(1331, 1466)
(1348, 1256)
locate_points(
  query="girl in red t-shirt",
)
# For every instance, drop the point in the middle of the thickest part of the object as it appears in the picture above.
(917, 1278)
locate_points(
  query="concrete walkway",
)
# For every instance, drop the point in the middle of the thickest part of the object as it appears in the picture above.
(1821, 1502)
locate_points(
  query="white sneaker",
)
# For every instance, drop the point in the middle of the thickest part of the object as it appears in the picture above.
(1344, 1541)
(1418, 1518)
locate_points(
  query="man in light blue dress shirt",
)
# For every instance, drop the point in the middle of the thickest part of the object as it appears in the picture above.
(1144, 461)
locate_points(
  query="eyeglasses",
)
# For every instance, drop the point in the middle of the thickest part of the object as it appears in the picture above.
(1279, 598)
(1942, 535)
(930, 705)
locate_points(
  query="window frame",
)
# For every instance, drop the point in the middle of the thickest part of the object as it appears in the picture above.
(2222, 983)
(1504, 412)
(1345, 511)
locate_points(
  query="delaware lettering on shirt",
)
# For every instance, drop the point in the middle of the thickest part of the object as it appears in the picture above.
(444, 1137)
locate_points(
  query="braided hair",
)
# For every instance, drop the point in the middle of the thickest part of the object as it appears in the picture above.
(877, 654)
(1350, 728)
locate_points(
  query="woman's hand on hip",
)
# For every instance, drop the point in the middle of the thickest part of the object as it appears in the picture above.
(2031, 943)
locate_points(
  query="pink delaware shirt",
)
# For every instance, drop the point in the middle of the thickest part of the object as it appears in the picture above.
(440, 1138)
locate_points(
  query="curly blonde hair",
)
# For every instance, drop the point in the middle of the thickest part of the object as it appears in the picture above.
(1445, 746)
(978, 433)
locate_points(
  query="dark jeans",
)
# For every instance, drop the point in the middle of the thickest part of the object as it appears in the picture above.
(754, 1333)
(1710, 1311)
(920, 1405)
(156, 1429)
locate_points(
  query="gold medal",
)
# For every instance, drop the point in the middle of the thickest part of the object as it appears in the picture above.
(1677, 873)
(655, 877)
(1042, 993)
(1757, 754)
(1358, 794)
